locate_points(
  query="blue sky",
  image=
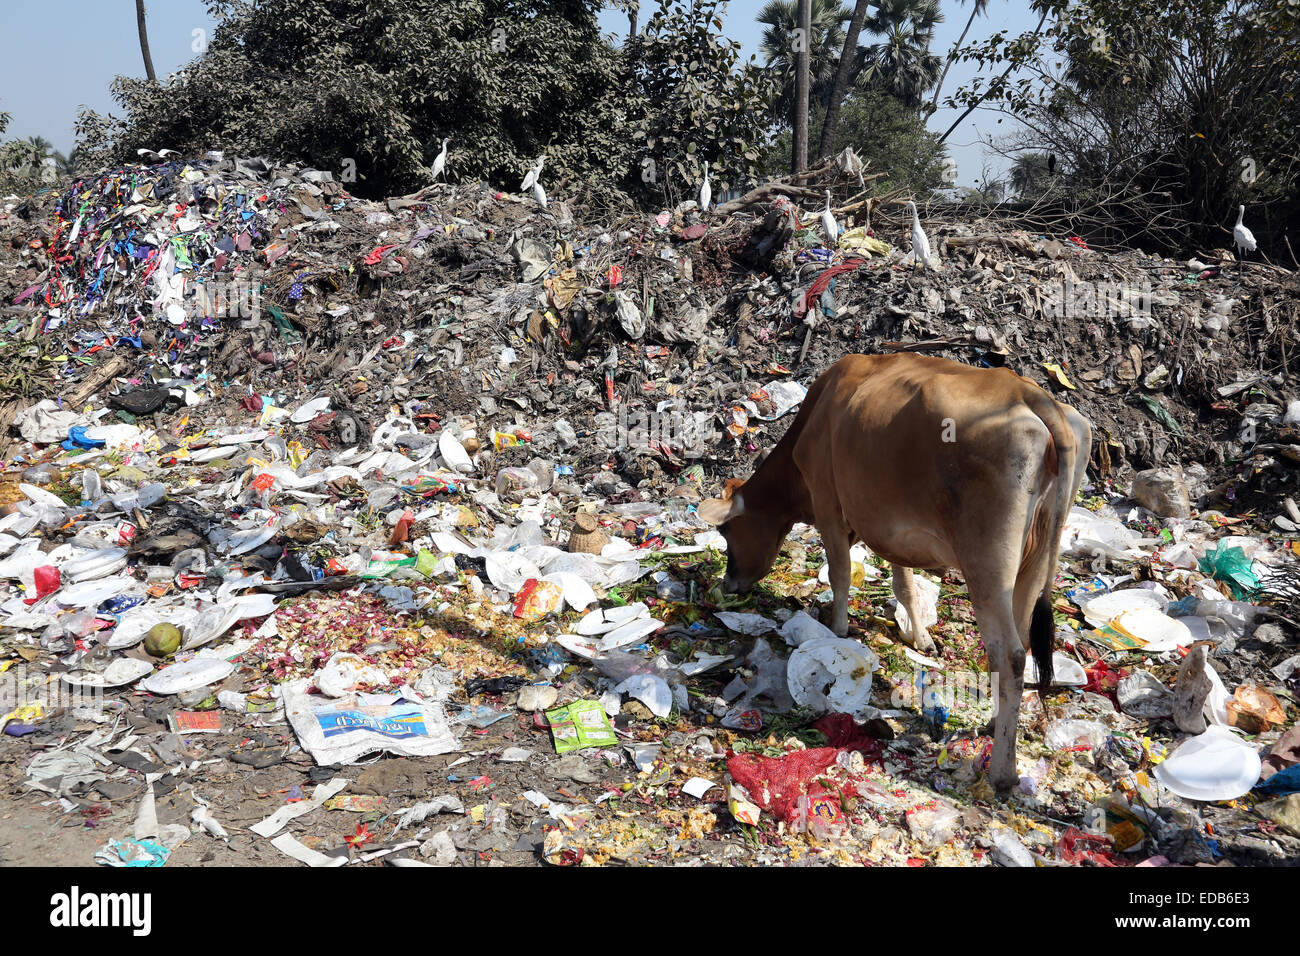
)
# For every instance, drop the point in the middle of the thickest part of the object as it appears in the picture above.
(56, 55)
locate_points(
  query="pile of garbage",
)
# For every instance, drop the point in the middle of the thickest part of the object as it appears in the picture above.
(396, 501)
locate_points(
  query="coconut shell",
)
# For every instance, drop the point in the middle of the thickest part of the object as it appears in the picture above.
(162, 639)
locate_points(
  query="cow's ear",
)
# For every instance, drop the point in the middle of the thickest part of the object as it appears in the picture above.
(730, 487)
(717, 511)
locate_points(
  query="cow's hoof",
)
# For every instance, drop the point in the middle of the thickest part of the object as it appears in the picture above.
(1005, 784)
(924, 644)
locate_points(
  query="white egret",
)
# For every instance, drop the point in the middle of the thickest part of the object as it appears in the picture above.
(828, 224)
(534, 173)
(706, 191)
(920, 241)
(539, 193)
(1242, 236)
(440, 161)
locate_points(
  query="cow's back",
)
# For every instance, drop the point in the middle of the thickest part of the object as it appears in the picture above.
(906, 444)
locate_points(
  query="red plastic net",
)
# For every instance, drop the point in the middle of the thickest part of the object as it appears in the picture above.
(776, 783)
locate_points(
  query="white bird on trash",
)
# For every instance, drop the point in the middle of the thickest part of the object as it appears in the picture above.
(159, 155)
(533, 175)
(920, 241)
(539, 193)
(440, 161)
(1242, 236)
(706, 191)
(828, 224)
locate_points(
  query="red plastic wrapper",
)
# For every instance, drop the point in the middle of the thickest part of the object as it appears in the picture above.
(47, 582)
(1105, 681)
(125, 534)
(402, 530)
(1075, 846)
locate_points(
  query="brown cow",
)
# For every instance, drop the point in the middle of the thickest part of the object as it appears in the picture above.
(932, 464)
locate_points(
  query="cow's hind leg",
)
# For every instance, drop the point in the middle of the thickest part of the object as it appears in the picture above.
(908, 599)
(835, 539)
(995, 615)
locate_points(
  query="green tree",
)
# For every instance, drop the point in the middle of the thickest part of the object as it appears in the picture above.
(845, 74)
(1166, 116)
(901, 62)
(374, 85)
(890, 136)
(1029, 174)
(780, 19)
(29, 164)
(689, 99)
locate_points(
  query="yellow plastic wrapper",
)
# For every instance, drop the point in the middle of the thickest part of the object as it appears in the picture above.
(859, 243)
(1058, 373)
(24, 714)
(504, 440)
(740, 807)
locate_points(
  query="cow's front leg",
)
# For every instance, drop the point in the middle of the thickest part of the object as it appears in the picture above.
(908, 599)
(835, 539)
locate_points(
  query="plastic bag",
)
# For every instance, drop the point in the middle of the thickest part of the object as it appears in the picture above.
(516, 483)
(927, 599)
(341, 731)
(1075, 735)
(1231, 566)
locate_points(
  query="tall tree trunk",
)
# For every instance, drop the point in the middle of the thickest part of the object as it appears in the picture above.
(799, 161)
(836, 99)
(934, 101)
(632, 13)
(1005, 73)
(144, 41)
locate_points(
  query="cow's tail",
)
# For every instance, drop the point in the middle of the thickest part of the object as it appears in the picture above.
(1043, 547)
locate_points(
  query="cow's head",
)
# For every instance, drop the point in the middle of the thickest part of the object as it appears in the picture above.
(754, 533)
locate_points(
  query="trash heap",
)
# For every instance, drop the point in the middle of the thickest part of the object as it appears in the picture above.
(346, 531)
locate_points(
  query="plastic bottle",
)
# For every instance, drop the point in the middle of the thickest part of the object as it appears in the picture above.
(91, 487)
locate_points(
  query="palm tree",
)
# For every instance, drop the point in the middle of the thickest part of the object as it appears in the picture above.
(144, 41)
(799, 161)
(781, 18)
(850, 61)
(902, 64)
(1029, 174)
(979, 7)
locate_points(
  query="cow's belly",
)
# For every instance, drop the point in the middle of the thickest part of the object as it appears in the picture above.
(909, 546)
